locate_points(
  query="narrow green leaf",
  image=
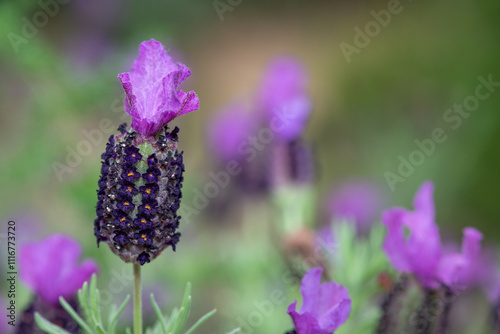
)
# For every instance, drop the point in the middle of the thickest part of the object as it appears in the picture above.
(234, 331)
(98, 299)
(185, 309)
(75, 315)
(111, 314)
(160, 316)
(201, 321)
(128, 331)
(83, 299)
(172, 321)
(116, 314)
(100, 329)
(47, 326)
(94, 302)
(179, 322)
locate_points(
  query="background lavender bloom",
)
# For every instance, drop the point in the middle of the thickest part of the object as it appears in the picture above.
(50, 267)
(229, 129)
(283, 97)
(359, 201)
(493, 288)
(325, 306)
(152, 98)
(421, 252)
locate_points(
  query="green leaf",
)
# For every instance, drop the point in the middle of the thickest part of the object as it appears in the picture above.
(47, 326)
(172, 320)
(160, 316)
(75, 315)
(115, 314)
(234, 331)
(83, 294)
(94, 302)
(201, 321)
(185, 309)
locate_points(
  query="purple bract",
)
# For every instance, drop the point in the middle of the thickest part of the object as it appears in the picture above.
(420, 252)
(325, 306)
(51, 267)
(151, 95)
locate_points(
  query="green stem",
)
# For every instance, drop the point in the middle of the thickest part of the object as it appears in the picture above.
(137, 299)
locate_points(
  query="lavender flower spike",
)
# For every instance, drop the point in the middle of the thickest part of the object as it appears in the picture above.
(325, 306)
(421, 253)
(51, 268)
(152, 98)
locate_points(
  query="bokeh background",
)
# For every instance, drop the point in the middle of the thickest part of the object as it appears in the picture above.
(59, 80)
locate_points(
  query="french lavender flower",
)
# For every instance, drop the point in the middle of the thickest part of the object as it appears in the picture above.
(325, 306)
(51, 269)
(141, 176)
(421, 253)
(286, 107)
(283, 98)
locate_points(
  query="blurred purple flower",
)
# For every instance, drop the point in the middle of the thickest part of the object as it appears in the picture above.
(493, 288)
(50, 267)
(359, 201)
(325, 306)
(86, 50)
(228, 129)
(284, 99)
(421, 252)
(152, 98)
(96, 14)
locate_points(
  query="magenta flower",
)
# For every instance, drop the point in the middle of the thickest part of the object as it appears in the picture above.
(421, 252)
(229, 130)
(284, 99)
(360, 201)
(50, 267)
(325, 306)
(151, 95)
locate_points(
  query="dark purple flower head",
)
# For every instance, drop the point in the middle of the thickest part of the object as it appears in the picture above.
(229, 129)
(151, 88)
(143, 196)
(421, 252)
(51, 267)
(283, 98)
(360, 201)
(325, 306)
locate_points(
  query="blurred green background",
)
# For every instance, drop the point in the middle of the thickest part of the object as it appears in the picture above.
(59, 80)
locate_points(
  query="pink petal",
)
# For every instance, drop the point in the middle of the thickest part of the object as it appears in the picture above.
(50, 267)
